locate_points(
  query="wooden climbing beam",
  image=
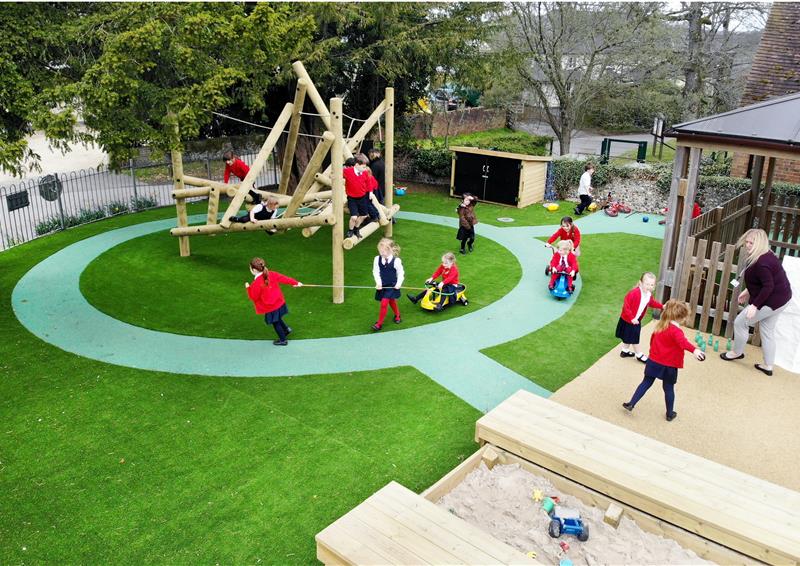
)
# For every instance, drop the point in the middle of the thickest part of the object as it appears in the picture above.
(258, 164)
(276, 224)
(294, 130)
(308, 175)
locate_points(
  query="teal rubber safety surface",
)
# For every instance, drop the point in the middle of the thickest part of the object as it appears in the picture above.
(48, 302)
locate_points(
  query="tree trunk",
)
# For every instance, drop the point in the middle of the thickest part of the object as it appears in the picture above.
(692, 83)
(565, 130)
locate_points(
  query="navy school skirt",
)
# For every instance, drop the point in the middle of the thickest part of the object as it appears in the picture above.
(658, 371)
(465, 233)
(390, 293)
(627, 332)
(275, 316)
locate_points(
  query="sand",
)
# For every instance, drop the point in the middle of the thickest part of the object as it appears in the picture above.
(499, 501)
(727, 411)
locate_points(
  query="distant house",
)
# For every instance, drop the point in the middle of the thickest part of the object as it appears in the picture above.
(775, 72)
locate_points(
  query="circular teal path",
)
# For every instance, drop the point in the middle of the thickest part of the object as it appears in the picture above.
(48, 302)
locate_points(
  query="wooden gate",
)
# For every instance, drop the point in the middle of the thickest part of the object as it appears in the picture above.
(705, 284)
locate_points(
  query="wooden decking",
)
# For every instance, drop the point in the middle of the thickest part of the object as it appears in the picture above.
(749, 515)
(397, 526)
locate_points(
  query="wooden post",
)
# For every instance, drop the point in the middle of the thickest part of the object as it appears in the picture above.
(366, 231)
(688, 201)
(274, 224)
(755, 188)
(177, 174)
(308, 175)
(715, 233)
(666, 276)
(213, 206)
(762, 213)
(388, 157)
(258, 164)
(313, 93)
(294, 130)
(337, 188)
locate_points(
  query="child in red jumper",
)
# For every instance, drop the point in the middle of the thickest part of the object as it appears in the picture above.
(387, 269)
(567, 231)
(265, 292)
(634, 307)
(238, 168)
(356, 187)
(666, 356)
(448, 286)
(563, 261)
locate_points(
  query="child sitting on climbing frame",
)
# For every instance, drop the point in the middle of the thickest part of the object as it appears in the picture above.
(563, 261)
(448, 287)
(387, 269)
(265, 210)
(355, 185)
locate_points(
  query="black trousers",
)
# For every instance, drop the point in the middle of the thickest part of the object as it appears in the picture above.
(586, 200)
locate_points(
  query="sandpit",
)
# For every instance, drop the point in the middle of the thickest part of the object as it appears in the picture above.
(500, 502)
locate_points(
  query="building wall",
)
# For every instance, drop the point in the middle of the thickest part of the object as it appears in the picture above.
(775, 72)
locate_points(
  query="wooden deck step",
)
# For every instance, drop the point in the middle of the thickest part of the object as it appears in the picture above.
(397, 526)
(747, 514)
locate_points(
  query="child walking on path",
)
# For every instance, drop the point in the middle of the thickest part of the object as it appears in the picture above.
(448, 286)
(387, 269)
(567, 231)
(466, 222)
(666, 356)
(634, 307)
(585, 189)
(265, 292)
(563, 261)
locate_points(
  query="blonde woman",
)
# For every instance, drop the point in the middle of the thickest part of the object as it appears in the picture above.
(767, 291)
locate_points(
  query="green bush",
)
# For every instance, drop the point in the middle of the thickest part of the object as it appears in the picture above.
(143, 203)
(46, 226)
(434, 161)
(117, 207)
(85, 216)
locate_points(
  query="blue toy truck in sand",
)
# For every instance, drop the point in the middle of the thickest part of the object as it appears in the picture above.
(567, 521)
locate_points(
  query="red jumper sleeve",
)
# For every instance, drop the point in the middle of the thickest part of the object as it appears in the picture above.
(680, 337)
(438, 271)
(576, 236)
(283, 279)
(227, 174)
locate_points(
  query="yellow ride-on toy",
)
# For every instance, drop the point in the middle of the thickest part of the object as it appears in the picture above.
(434, 299)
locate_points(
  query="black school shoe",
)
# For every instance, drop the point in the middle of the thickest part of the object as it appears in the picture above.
(671, 416)
(281, 342)
(412, 298)
(398, 319)
(626, 354)
(628, 406)
(376, 327)
(763, 370)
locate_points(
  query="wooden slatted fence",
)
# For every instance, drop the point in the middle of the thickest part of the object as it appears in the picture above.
(782, 223)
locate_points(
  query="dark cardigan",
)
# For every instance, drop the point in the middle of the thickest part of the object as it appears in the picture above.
(767, 283)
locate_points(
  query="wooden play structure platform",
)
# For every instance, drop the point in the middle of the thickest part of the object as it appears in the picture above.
(723, 515)
(321, 191)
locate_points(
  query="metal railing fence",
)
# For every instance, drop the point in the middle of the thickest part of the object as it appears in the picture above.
(38, 206)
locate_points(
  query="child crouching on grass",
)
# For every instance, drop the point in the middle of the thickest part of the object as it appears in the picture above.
(265, 292)
(667, 345)
(634, 307)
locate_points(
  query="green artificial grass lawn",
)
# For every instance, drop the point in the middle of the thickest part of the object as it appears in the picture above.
(610, 266)
(105, 464)
(144, 281)
(438, 203)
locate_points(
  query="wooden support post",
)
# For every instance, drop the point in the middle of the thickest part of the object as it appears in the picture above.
(308, 175)
(313, 93)
(388, 157)
(755, 188)
(490, 457)
(180, 203)
(276, 224)
(323, 179)
(353, 241)
(715, 233)
(613, 515)
(294, 130)
(200, 182)
(258, 164)
(695, 154)
(213, 206)
(337, 188)
(762, 214)
(667, 278)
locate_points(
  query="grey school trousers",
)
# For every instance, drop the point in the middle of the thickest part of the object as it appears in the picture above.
(767, 319)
